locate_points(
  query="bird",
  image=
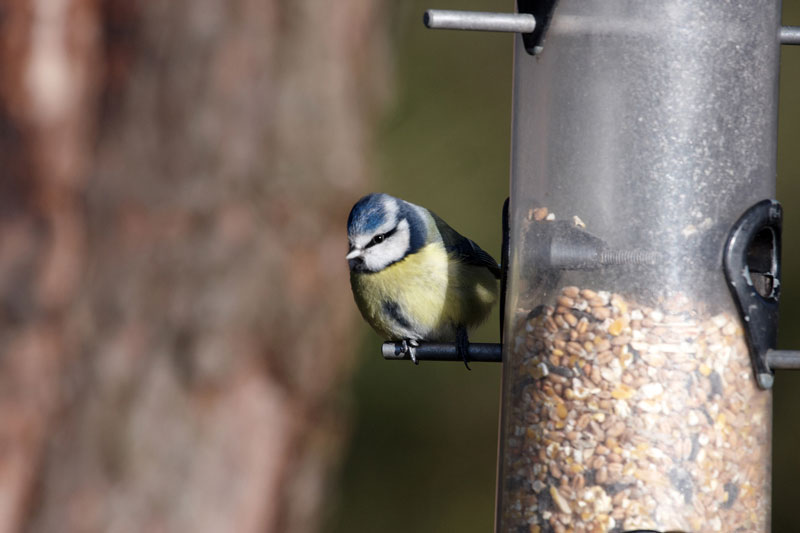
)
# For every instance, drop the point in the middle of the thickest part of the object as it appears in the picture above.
(414, 278)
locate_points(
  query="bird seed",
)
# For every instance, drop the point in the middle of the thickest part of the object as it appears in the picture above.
(628, 417)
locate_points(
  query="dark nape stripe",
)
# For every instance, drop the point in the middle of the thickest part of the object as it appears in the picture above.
(418, 231)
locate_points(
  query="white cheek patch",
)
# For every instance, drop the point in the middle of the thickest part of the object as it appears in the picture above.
(389, 251)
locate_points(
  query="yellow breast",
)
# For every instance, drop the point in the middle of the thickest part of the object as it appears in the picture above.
(425, 296)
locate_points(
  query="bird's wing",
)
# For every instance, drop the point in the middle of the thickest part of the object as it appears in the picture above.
(464, 249)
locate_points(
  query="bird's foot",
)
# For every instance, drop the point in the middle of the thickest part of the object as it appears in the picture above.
(462, 345)
(408, 346)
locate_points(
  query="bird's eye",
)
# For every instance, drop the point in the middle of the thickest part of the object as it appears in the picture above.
(377, 239)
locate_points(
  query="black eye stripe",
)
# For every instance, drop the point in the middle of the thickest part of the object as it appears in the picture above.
(377, 239)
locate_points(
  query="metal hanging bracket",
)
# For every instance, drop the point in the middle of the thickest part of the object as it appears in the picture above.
(752, 265)
(531, 21)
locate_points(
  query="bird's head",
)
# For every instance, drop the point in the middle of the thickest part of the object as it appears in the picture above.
(382, 230)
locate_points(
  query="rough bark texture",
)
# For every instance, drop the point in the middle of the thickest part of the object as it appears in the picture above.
(174, 312)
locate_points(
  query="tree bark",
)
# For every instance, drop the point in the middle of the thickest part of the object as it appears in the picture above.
(175, 316)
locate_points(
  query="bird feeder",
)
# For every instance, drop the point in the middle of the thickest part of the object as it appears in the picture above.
(642, 265)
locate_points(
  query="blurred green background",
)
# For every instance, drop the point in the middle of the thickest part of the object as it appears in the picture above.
(424, 439)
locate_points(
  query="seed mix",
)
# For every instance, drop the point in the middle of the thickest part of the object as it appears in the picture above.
(623, 416)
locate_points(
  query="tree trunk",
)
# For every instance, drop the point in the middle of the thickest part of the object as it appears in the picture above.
(175, 315)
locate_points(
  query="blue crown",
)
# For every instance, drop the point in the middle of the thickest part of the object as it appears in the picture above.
(367, 215)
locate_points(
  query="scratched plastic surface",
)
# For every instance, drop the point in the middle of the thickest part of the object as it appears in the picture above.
(640, 135)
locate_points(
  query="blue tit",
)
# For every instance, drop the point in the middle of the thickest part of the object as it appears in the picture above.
(414, 278)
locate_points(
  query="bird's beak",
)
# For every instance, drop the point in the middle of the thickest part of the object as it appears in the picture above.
(355, 252)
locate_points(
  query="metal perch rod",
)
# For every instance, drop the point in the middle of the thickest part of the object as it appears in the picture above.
(783, 359)
(790, 35)
(478, 352)
(477, 20)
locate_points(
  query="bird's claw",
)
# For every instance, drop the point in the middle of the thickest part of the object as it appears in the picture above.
(408, 346)
(462, 345)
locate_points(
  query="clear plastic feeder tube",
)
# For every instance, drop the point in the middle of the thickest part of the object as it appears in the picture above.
(640, 134)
